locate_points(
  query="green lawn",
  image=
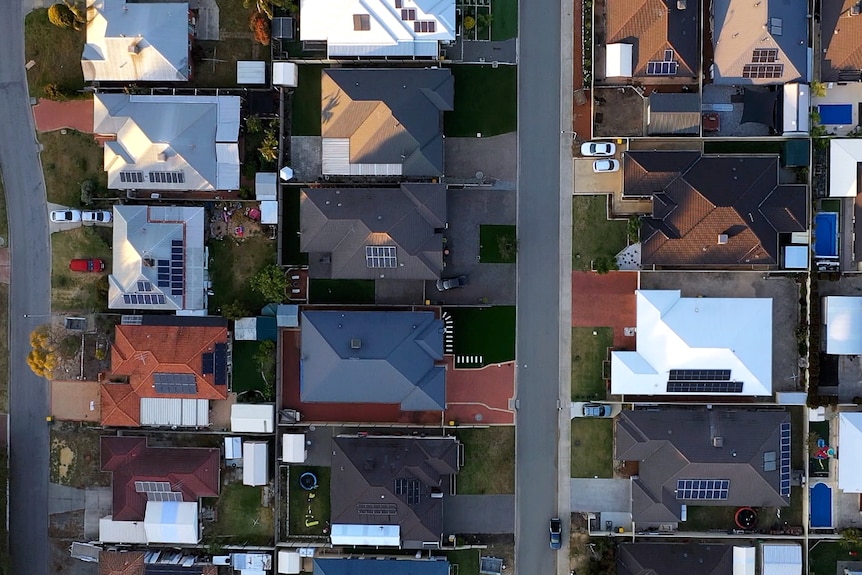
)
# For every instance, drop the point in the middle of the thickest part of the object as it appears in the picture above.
(706, 517)
(497, 244)
(56, 53)
(593, 235)
(67, 160)
(467, 561)
(832, 205)
(232, 265)
(300, 503)
(241, 519)
(489, 461)
(505, 19)
(485, 101)
(485, 331)
(341, 291)
(80, 291)
(289, 205)
(592, 447)
(742, 147)
(823, 557)
(588, 354)
(305, 102)
(246, 370)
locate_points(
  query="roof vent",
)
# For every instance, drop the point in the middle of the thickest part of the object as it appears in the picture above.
(162, 157)
(134, 48)
(718, 441)
(722, 239)
(355, 343)
(680, 4)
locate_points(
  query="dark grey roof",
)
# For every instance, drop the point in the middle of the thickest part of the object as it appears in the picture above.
(337, 223)
(351, 566)
(365, 471)
(674, 559)
(673, 114)
(672, 444)
(416, 99)
(373, 357)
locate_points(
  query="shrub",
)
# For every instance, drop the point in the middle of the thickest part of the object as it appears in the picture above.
(54, 92)
(271, 283)
(62, 16)
(88, 188)
(259, 24)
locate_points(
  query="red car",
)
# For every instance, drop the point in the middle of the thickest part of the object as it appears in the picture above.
(87, 265)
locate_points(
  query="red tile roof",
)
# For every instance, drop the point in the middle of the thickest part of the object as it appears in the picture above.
(139, 351)
(192, 471)
(115, 563)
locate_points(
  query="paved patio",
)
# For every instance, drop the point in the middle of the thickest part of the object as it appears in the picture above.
(73, 115)
(606, 300)
(480, 395)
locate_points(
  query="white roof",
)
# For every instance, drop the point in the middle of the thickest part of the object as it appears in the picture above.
(743, 560)
(850, 441)
(245, 329)
(194, 137)
(293, 448)
(172, 522)
(254, 465)
(269, 212)
(843, 318)
(233, 448)
(387, 34)
(250, 72)
(696, 333)
(285, 74)
(175, 411)
(796, 108)
(367, 535)
(796, 257)
(265, 186)
(289, 562)
(844, 154)
(287, 315)
(781, 559)
(618, 61)
(136, 41)
(252, 418)
(251, 561)
(147, 234)
(111, 531)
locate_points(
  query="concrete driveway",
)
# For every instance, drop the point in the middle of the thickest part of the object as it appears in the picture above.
(602, 495)
(61, 227)
(496, 157)
(577, 408)
(589, 182)
(478, 514)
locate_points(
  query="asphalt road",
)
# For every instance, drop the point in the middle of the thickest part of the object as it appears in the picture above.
(30, 294)
(544, 281)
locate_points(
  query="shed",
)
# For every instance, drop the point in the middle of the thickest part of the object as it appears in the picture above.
(618, 61)
(255, 470)
(282, 28)
(289, 562)
(797, 103)
(269, 212)
(843, 318)
(287, 315)
(252, 418)
(111, 531)
(284, 74)
(844, 157)
(248, 72)
(293, 448)
(265, 186)
(174, 522)
(743, 561)
(85, 552)
(366, 535)
(245, 329)
(797, 153)
(796, 257)
(233, 448)
(781, 559)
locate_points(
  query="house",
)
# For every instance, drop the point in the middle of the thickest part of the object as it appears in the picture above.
(384, 122)
(156, 490)
(159, 259)
(703, 457)
(389, 490)
(169, 143)
(850, 441)
(675, 559)
(137, 42)
(165, 375)
(841, 41)
(378, 28)
(662, 38)
(713, 211)
(151, 563)
(845, 157)
(374, 233)
(697, 347)
(762, 42)
(363, 566)
(843, 318)
(383, 357)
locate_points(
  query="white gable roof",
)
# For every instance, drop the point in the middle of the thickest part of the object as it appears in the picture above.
(849, 442)
(172, 522)
(844, 155)
(366, 535)
(696, 333)
(252, 418)
(782, 559)
(843, 318)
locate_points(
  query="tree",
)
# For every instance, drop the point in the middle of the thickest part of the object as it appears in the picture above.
(41, 358)
(234, 310)
(266, 7)
(507, 245)
(270, 282)
(851, 538)
(253, 124)
(269, 146)
(62, 16)
(88, 188)
(604, 264)
(259, 24)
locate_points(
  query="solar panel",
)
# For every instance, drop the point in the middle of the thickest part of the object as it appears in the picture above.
(376, 508)
(699, 375)
(176, 292)
(207, 363)
(176, 243)
(160, 299)
(704, 387)
(668, 55)
(763, 70)
(127, 299)
(414, 491)
(163, 263)
(220, 364)
(662, 68)
(183, 383)
(784, 459)
(702, 489)
(176, 258)
(145, 286)
(380, 257)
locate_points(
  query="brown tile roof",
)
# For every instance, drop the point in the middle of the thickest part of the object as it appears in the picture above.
(697, 198)
(675, 558)
(115, 563)
(841, 37)
(194, 472)
(653, 26)
(139, 351)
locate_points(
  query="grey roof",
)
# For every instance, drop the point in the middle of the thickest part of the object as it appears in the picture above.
(672, 444)
(674, 559)
(373, 357)
(352, 566)
(673, 114)
(407, 129)
(742, 26)
(365, 471)
(337, 224)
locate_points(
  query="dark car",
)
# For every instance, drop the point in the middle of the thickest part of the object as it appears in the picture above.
(596, 410)
(451, 283)
(556, 529)
(87, 265)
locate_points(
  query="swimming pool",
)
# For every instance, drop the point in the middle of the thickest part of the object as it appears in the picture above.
(835, 114)
(826, 235)
(821, 505)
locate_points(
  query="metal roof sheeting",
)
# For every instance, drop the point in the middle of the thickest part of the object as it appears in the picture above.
(172, 411)
(781, 559)
(172, 522)
(251, 418)
(111, 531)
(250, 72)
(366, 535)
(254, 466)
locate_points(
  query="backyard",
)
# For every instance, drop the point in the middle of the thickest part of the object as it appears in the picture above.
(704, 518)
(247, 372)
(69, 159)
(56, 53)
(485, 101)
(305, 102)
(488, 464)
(589, 351)
(498, 244)
(233, 264)
(592, 447)
(818, 431)
(309, 511)
(341, 291)
(241, 517)
(467, 561)
(487, 332)
(823, 557)
(75, 456)
(593, 235)
(78, 291)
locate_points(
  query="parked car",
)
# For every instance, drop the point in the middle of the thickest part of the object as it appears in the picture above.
(61, 216)
(451, 283)
(556, 529)
(598, 149)
(87, 265)
(96, 216)
(597, 410)
(600, 166)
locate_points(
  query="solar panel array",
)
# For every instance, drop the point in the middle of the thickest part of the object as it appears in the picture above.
(769, 461)
(164, 496)
(412, 488)
(145, 286)
(171, 272)
(704, 387)
(763, 70)
(376, 508)
(169, 569)
(764, 55)
(152, 486)
(220, 364)
(662, 68)
(167, 177)
(175, 383)
(784, 459)
(380, 257)
(699, 375)
(702, 489)
(143, 299)
(131, 177)
(208, 363)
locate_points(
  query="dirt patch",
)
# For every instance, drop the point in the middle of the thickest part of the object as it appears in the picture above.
(69, 525)
(502, 546)
(75, 452)
(66, 457)
(579, 550)
(61, 563)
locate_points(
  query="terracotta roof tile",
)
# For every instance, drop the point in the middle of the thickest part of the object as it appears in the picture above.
(115, 563)
(842, 39)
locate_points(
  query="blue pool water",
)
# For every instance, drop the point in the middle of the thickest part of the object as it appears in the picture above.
(836, 114)
(821, 505)
(826, 234)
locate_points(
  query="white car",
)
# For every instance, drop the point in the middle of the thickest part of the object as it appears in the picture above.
(598, 149)
(64, 216)
(96, 216)
(600, 166)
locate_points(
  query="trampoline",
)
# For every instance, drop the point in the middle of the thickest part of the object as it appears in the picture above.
(835, 114)
(826, 234)
(821, 505)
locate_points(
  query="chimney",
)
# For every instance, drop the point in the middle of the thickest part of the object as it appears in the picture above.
(722, 239)
(134, 48)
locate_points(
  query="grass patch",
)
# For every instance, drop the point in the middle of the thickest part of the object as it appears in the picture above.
(69, 159)
(592, 447)
(489, 461)
(486, 101)
(593, 234)
(485, 331)
(706, 517)
(56, 52)
(741, 147)
(497, 244)
(305, 102)
(241, 519)
(75, 291)
(300, 520)
(504, 25)
(588, 354)
(289, 205)
(832, 205)
(245, 367)
(233, 264)
(341, 291)
(215, 61)
(823, 557)
(467, 561)
(74, 457)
